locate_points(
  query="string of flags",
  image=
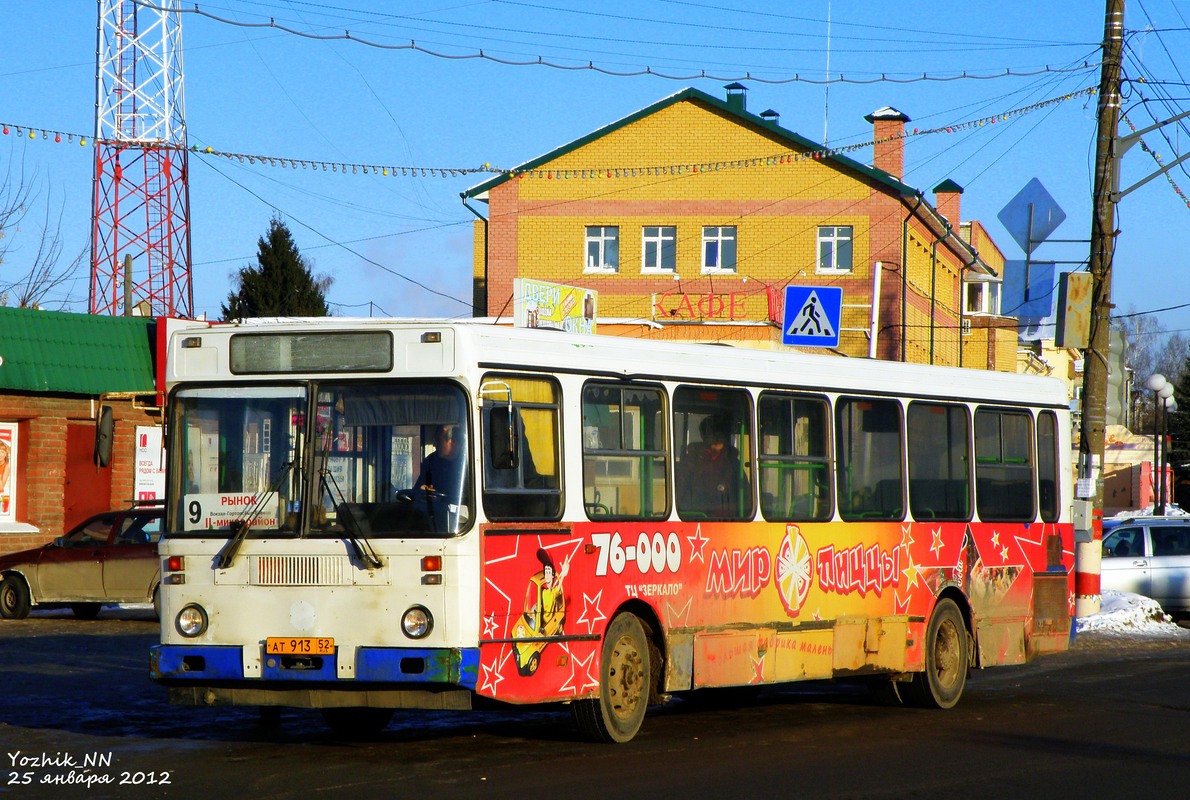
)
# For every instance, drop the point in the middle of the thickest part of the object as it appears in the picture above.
(789, 157)
(550, 174)
(354, 169)
(1160, 162)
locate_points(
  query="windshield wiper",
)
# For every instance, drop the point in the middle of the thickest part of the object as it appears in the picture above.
(241, 524)
(358, 541)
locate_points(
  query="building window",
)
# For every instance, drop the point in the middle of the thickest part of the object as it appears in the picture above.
(659, 245)
(718, 249)
(982, 297)
(834, 248)
(603, 248)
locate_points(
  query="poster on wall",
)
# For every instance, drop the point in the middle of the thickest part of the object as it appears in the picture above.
(8, 471)
(538, 304)
(150, 464)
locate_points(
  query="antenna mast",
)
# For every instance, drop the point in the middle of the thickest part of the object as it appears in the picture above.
(141, 202)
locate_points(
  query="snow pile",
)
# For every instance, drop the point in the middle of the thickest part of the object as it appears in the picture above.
(1121, 612)
(1171, 510)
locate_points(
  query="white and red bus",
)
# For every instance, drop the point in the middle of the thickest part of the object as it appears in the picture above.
(367, 515)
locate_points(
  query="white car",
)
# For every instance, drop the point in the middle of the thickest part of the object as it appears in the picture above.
(1150, 556)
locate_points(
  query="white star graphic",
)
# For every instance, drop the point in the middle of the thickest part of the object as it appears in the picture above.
(491, 676)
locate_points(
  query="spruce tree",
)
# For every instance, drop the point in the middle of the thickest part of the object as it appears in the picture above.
(280, 285)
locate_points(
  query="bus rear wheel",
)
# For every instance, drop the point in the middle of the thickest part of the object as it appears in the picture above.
(616, 715)
(357, 723)
(941, 684)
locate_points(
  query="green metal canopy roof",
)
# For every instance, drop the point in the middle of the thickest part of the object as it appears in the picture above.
(61, 353)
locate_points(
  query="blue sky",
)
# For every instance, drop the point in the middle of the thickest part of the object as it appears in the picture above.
(401, 245)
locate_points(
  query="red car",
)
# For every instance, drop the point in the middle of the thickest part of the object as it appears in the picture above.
(109, 558)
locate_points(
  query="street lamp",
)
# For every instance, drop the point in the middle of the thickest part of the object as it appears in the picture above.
(1171, 405)
(1162, 396)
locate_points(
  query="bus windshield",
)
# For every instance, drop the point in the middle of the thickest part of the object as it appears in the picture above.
(356, 460)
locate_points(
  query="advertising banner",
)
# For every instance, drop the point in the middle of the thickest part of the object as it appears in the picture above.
(538, 304)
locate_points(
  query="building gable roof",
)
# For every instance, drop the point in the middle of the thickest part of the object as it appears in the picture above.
(795, 141)
(60, 353)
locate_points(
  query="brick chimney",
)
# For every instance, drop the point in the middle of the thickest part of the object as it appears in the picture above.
(948, 198)
(888, 128)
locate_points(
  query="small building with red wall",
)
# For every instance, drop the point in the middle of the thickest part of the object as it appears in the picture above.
(65, 379)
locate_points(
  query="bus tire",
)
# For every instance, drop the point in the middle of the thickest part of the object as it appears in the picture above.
(357, 723)
(940, 685)
(14, 598)
(616, 715)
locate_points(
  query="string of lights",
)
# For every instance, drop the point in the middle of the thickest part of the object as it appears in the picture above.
(540, 61)
(384, 170)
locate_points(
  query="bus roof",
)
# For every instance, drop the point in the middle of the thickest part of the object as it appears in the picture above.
(504, 347)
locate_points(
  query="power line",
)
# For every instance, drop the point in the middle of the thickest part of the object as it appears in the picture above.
(540, 61)
(353, 252)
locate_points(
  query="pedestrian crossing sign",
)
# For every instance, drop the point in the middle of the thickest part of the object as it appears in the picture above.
(812, 316)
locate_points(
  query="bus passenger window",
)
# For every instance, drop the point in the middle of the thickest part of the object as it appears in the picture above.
(868, 442)
(712, 448)
(1048, 476)
(527, 485)
(624, 455)
(939, 462)
(794, 458)
(1004, 482)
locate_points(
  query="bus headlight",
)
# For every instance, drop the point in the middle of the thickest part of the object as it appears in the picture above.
(191, 621)
(417, 622)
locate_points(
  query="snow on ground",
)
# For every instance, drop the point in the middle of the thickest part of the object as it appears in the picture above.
(1130, 614)
(1171, 510)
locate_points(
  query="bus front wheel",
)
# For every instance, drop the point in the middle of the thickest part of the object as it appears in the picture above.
(616, 715)
(941, 684)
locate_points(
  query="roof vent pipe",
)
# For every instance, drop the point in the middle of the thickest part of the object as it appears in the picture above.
(735, 97)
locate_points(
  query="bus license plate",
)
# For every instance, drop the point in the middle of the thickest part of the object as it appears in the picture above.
(300, 646)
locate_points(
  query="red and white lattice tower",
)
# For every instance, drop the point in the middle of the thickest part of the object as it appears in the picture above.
(141, 203)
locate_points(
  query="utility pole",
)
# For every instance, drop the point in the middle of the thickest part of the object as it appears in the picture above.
(1088, 549)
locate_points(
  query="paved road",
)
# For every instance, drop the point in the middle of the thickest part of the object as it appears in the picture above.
(1104, 720)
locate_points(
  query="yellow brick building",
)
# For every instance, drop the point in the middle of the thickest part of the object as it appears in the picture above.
(691, 216)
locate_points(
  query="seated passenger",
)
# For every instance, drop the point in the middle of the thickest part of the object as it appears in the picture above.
(712, 470)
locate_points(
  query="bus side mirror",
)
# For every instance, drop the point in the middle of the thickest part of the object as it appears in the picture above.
(502, 438)
(104, 426)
